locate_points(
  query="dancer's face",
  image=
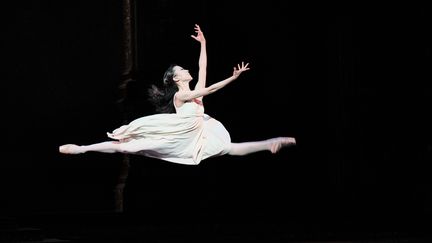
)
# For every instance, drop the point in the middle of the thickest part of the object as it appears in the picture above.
(181, 74)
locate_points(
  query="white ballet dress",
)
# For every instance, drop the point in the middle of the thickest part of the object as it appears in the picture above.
(185, 137)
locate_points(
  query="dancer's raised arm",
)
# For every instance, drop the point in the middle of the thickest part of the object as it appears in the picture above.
(202, 62)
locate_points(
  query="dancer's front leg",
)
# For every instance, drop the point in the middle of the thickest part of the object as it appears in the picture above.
(104, 147)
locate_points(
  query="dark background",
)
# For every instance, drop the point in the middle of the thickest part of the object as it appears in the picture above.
(350, 83)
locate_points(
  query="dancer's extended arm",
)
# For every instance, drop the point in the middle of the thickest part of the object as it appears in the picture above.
(191, 94)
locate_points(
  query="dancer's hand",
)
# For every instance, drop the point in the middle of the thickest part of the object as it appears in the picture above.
(199, 34)
(239, 69)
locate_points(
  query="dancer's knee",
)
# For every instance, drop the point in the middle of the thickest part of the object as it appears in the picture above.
(234, 149)
(128, 147)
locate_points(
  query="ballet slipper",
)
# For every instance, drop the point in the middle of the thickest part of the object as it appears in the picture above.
(280, 142)
(70, 149)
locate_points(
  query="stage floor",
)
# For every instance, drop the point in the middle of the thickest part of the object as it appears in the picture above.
(123, 227)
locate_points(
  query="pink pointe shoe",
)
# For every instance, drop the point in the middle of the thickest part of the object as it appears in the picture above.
(70, 149)
(280, 142)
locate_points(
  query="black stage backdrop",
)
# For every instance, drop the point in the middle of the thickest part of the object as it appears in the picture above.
(349, 83)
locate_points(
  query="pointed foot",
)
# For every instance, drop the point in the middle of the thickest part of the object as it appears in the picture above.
(277, 144)
(70, 149)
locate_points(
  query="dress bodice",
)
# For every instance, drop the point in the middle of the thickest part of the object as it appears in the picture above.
(193, 107)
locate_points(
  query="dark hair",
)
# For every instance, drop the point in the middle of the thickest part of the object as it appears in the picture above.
(162, 98)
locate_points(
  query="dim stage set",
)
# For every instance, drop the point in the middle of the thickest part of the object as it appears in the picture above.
(216, 121)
